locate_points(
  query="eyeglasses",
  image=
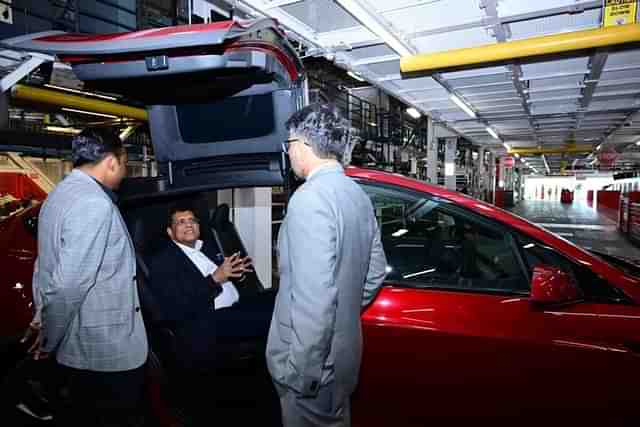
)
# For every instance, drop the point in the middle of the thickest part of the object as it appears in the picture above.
(184, 221)
(288, 142)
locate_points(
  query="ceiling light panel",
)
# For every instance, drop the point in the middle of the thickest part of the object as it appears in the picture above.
(555, 83)
(557, 67)
(496, 101)
(430, 95)
(321, 15)
(517, 7)
(613, 87)
(620, 74)
(622, 59)
(429, 15)
(423, 83)
(471, 37)
(371, 52)
(454, 116)
(488, 92)
(479, 80)
(551, 104)
(619, 104)
(445, 105)
(384, 68)
(567, 93)
(555, 24)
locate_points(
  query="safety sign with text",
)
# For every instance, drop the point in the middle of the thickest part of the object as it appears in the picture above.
(619, 12)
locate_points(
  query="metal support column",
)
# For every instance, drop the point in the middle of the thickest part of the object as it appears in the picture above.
(450, 163)
(432, 153)
(251, 214)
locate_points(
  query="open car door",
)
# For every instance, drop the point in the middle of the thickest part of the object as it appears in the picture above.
(217, 95)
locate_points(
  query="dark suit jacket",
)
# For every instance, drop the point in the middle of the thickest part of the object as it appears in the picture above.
(185, 298)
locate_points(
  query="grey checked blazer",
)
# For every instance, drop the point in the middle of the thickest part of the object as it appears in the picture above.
(85, 276)
(331, 263)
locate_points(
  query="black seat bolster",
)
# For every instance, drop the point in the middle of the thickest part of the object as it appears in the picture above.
(229, 241)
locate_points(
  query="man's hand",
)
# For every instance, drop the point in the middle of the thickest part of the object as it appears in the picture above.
(33, 335)
(232, 267)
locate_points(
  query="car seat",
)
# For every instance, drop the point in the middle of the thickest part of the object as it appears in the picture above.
(228, 239)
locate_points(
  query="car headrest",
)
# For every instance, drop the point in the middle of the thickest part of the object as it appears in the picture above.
(149, 235)
(220, 217)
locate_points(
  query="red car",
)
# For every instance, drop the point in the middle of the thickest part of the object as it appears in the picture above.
(483, 313)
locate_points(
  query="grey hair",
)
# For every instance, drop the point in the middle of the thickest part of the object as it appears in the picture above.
(327, 131)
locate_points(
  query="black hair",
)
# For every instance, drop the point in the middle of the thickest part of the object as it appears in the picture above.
(92, 145)
(179, 206)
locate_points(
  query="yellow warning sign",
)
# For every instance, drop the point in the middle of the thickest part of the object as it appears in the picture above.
(620, 12)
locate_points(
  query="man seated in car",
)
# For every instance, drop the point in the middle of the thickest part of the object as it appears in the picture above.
(189, 287)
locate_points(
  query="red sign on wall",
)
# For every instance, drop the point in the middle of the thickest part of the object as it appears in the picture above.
(508, 162)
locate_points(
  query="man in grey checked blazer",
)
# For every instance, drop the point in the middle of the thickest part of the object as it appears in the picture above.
(331, 264)
(85, 277)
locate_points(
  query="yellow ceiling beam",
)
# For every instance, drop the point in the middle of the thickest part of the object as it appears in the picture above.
(533, 151)
(60, 99)
(415, 65)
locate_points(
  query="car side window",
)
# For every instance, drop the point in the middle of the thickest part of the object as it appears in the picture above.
(432, 243)
(594, 288)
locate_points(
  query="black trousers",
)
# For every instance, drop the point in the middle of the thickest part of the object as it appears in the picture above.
(103, 399)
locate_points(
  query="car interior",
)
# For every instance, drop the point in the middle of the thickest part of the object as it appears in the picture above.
(429, 246)
(241, 330)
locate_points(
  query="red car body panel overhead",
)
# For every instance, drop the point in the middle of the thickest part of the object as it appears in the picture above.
(116, 37)
(183, 40)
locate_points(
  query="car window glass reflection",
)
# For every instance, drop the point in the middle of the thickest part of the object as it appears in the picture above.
(431, 243)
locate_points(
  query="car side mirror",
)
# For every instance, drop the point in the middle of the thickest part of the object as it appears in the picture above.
(550, 285)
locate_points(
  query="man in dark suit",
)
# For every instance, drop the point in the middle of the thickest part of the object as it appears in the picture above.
(189, 286)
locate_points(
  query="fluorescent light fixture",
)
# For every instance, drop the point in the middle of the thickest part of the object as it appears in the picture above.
(60, 129)
(419, 273)
(375, 25)
(127, 132)
(400, 232)
(505, 145)
(464, 107)
(414, 113)
(492, 132)
(355, 75)
(81, 92)
(91, 113)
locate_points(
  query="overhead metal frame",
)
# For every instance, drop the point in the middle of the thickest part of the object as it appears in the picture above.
(589, 99)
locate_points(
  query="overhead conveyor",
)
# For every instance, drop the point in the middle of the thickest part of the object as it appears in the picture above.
(60, 99)
(529, 49)
(530, 151)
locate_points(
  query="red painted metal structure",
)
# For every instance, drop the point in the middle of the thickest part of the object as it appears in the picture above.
(20, 186)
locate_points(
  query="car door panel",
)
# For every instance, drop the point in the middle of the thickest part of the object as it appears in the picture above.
(217, 96)
(436, 354)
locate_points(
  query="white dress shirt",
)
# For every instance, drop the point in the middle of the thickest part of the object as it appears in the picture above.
(229, 294)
